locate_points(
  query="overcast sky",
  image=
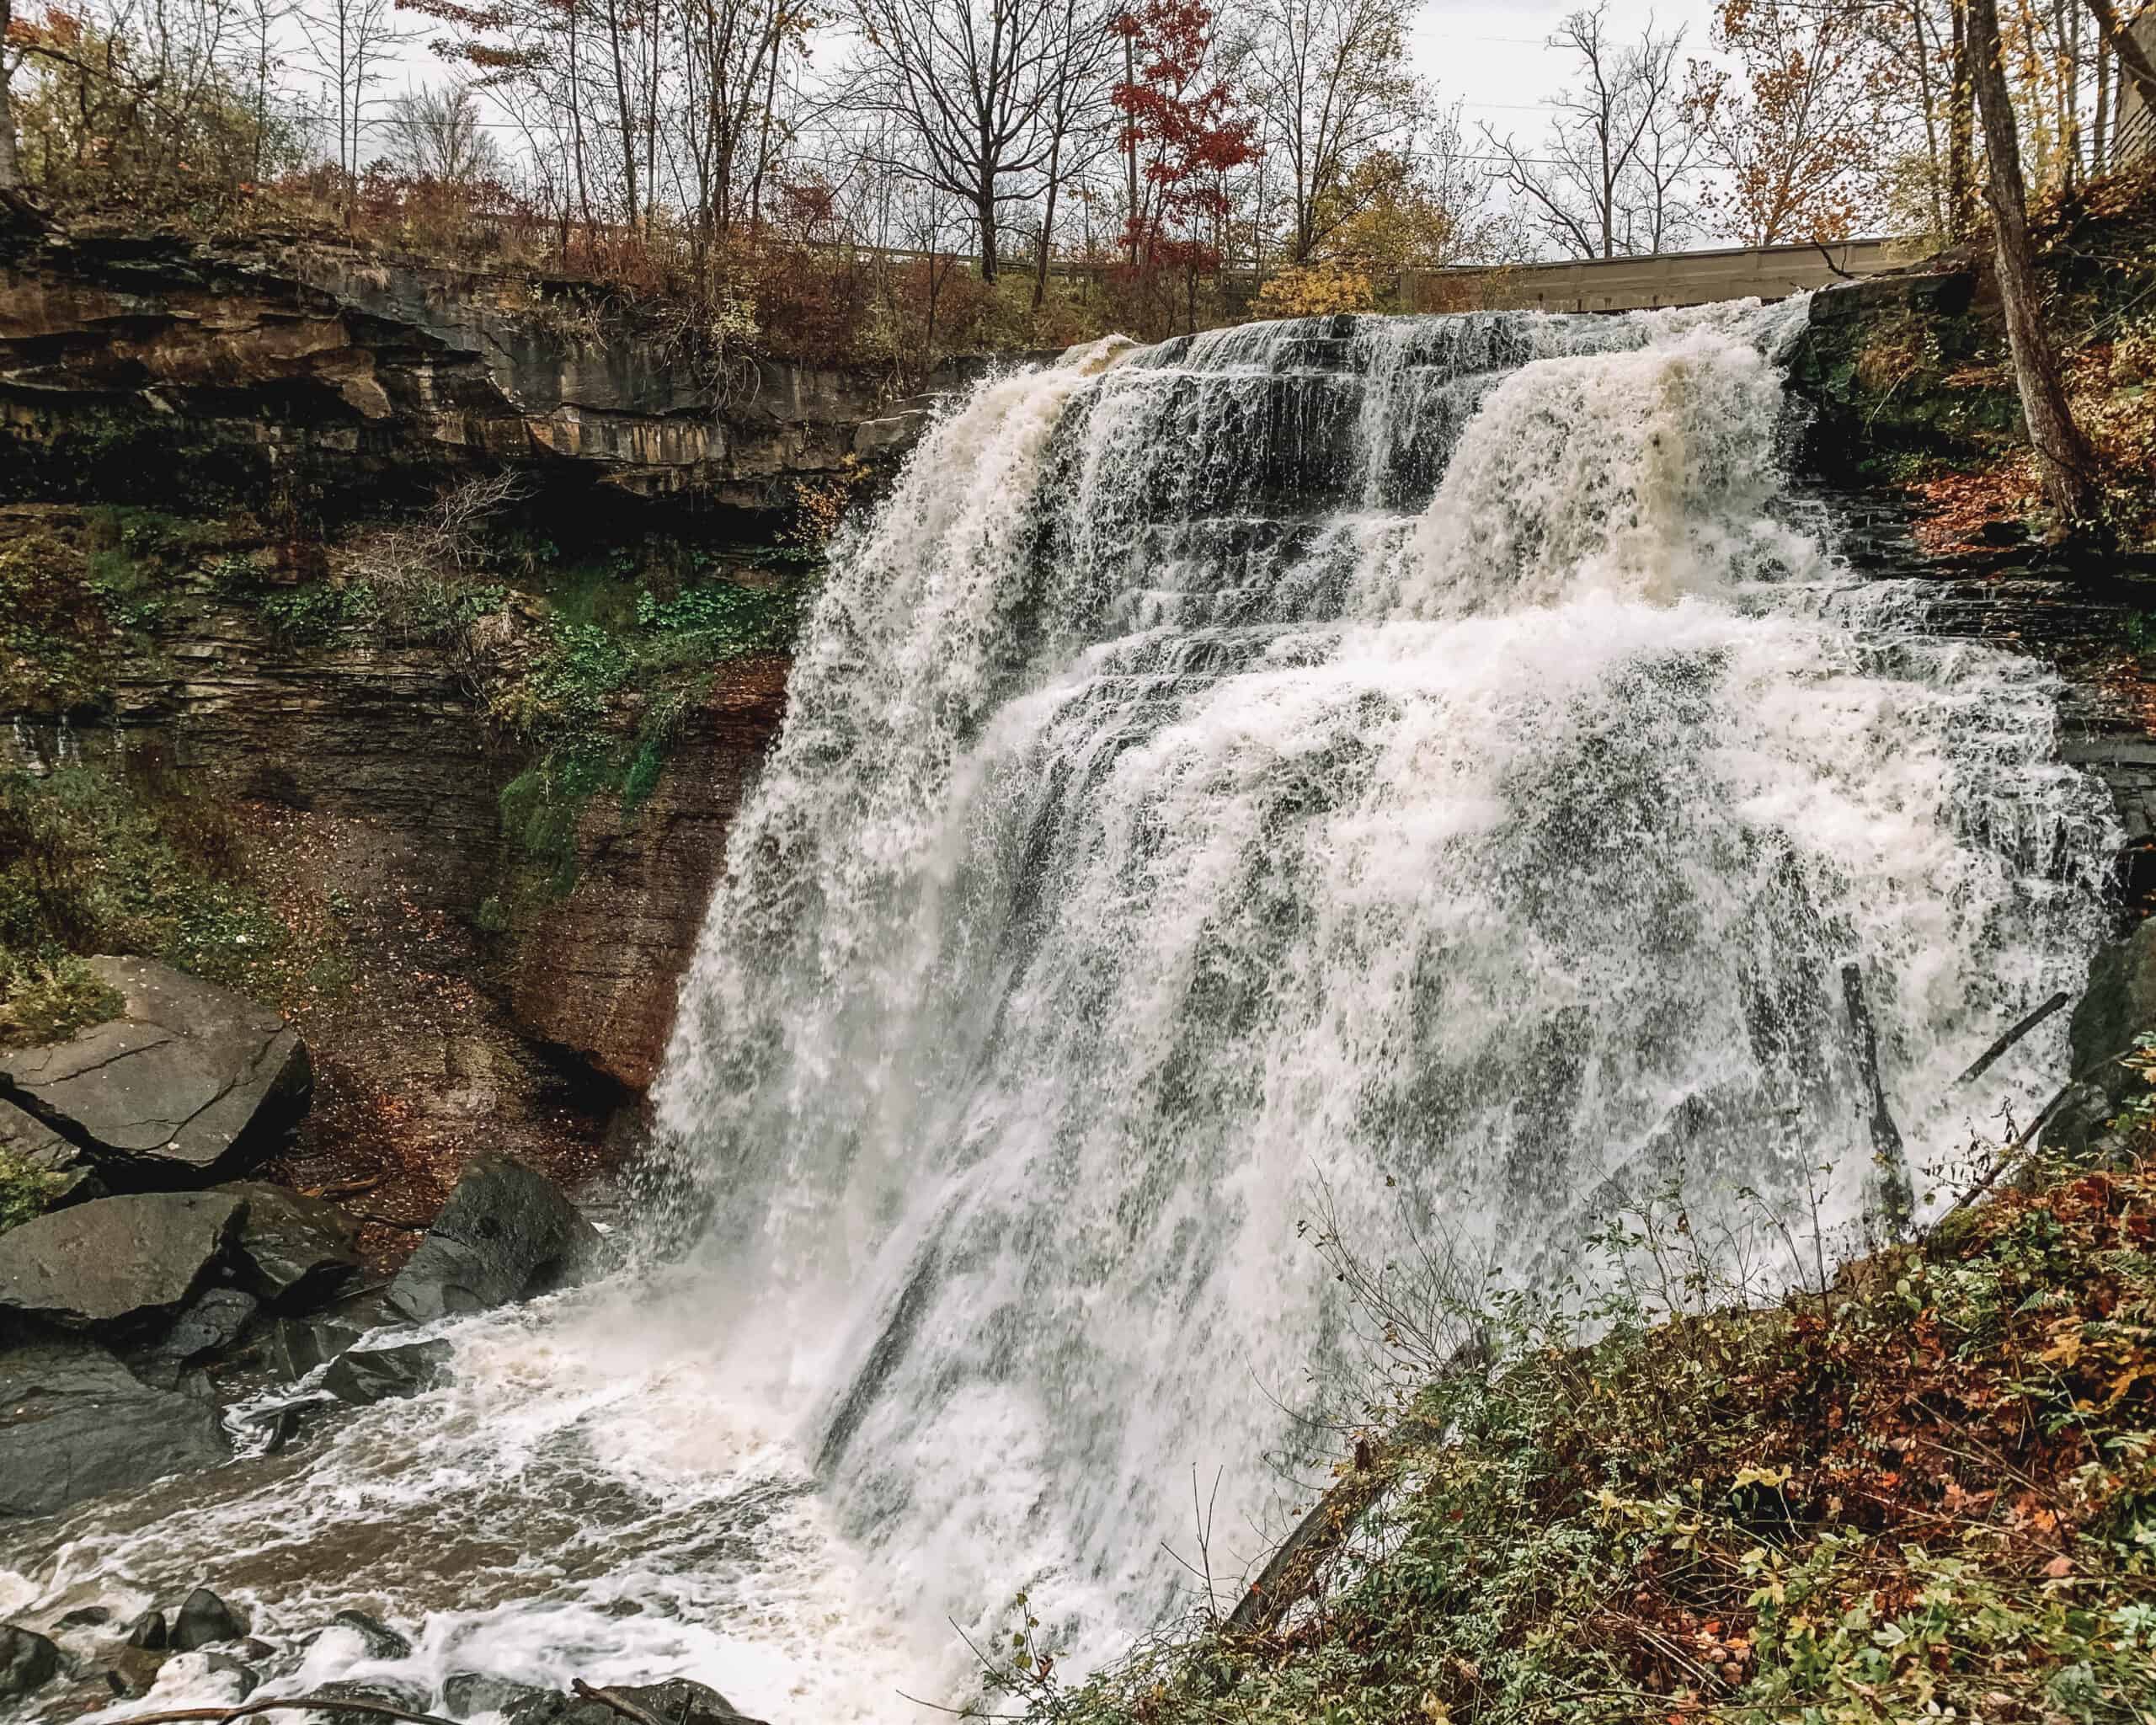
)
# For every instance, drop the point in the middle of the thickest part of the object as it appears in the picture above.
(1491, 57)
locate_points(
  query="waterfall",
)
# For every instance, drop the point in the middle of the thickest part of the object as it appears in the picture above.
(1415, 760)
(1426, 774)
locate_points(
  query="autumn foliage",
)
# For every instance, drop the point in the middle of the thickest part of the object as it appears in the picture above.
(1187, 130)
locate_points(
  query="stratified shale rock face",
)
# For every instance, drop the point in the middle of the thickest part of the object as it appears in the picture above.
(122, 355)
(597, 973)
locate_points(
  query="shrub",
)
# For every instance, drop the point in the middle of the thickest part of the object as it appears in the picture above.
(1316, 290)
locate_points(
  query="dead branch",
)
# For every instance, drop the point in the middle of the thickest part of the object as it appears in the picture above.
(1983, 1061)
(293, 1704)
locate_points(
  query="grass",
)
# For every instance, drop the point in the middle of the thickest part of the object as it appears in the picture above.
(1926, 1492)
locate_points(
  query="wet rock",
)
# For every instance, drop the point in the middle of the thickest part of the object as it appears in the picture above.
(365, 1376)
(506, 1233)
(204, 1618)
(679, 1701)
(218, 1318)
(411, 1697)
(28, 1662)
(469, 1692)
(115, 1263)
(190, 1083)
(150, 1632)
(294, 1251)
(2118, 1004)
(86, 1617)
(79, 1424)
(296, 1346)
(380, 1640)
(133, 1671)
(250, 1679)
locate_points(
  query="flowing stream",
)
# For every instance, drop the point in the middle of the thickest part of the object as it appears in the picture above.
(1423, 776)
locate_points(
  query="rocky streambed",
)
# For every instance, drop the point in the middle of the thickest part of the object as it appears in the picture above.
(162, 1317)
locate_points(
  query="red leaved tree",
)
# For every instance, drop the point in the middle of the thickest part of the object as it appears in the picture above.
(1184, 132)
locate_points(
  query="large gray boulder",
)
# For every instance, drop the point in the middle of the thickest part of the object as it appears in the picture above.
(363, 1376)
(116, 1263)
(191, 1082)
(76, 1424)
(506, 1233)
(294, 1251)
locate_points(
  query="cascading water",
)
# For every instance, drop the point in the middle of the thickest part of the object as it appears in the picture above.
(1424, 760)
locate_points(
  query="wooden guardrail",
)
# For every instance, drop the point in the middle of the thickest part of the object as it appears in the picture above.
(1642, 284)
(1594, 285)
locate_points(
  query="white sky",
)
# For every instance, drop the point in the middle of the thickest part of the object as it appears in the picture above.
(1491, 58)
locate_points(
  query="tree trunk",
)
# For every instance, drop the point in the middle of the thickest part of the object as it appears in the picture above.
(2066, 22)
(11, 169)
(2133, 59)
(2099, 137)
(1130, 149)
(1047, 231)
(984, 213)
(2064, 457)
(1961, 134)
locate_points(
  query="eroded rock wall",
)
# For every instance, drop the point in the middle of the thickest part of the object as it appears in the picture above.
(128, 359)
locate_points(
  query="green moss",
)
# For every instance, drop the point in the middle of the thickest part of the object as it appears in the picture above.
(56, 639)
(543, 806)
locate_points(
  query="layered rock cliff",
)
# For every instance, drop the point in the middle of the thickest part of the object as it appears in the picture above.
(128, 362)
(485, 801)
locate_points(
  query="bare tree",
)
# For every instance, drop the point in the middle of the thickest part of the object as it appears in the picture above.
(731, 50)
(350, 43)
(2063, 455)
(1074, 106)
(1330, 78)
(965, 80)
(1616, 156)
(261, 23)
(440, 134)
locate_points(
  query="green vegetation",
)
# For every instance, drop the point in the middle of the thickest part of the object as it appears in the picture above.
(92, 861)
(1926, 1491)
(609, 649)
(48, 998)
(25, 1189)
